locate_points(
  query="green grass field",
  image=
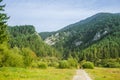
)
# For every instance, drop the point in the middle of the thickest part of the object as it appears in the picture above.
(9, 73)
(104, 73)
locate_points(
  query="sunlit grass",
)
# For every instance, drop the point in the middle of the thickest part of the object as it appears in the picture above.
(104, 73)
(9, 73)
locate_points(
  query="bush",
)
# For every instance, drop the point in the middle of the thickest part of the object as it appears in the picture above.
(113, 65)
(110, 63)
(10, 57)
(54, 64)
(88, 65)
(42, 65)
(63, 64)
(72, 63)
(28, 56)
(14, 60)
(34, 64)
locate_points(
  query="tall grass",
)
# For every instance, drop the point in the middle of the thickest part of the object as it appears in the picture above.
(104, 73)
(10, 73)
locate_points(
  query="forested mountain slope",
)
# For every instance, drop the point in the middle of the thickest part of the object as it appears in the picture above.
(26, 36)
(98, 35)
(44, 35)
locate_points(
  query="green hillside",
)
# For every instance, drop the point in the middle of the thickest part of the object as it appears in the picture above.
(26, 36)
(44, 35)
(94, 38)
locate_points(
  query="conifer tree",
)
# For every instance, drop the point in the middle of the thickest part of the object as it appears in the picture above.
(3, 26)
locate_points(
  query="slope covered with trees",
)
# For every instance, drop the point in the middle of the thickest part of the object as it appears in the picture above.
(26, 36)
(21, 46)
(7, 55)
(44, 35)
(93, 39)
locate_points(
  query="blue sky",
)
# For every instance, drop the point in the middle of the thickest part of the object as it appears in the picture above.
(52, 15)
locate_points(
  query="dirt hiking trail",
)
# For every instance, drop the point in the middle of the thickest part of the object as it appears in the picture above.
(81, 75)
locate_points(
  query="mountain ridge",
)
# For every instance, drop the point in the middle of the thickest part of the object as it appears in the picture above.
(25, 36)
(80, 22)
(83, 34)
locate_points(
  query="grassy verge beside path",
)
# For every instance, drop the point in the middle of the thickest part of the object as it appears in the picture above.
(9, 73)
(104, 73)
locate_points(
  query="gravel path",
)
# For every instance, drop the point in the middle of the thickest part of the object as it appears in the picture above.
(81, 75)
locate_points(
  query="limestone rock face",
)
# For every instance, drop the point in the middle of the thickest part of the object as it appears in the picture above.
(97, 36)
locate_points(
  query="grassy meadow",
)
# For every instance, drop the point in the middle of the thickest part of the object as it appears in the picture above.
(10, 73)
(104, 73)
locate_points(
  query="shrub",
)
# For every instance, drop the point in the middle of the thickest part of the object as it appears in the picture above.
(28, 56)
(72, 63)
(54, 64)
(14, 60)
(63, 64)
(34, 65)
(113, 65)
(42, 65)
(10, 57)
(88, 65)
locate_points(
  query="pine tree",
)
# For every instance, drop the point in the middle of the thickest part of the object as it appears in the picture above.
(3, 26)
(3, 37)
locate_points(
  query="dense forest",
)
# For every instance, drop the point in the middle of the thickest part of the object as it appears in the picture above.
(21, 46)
(26, 36)
(95, 39)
